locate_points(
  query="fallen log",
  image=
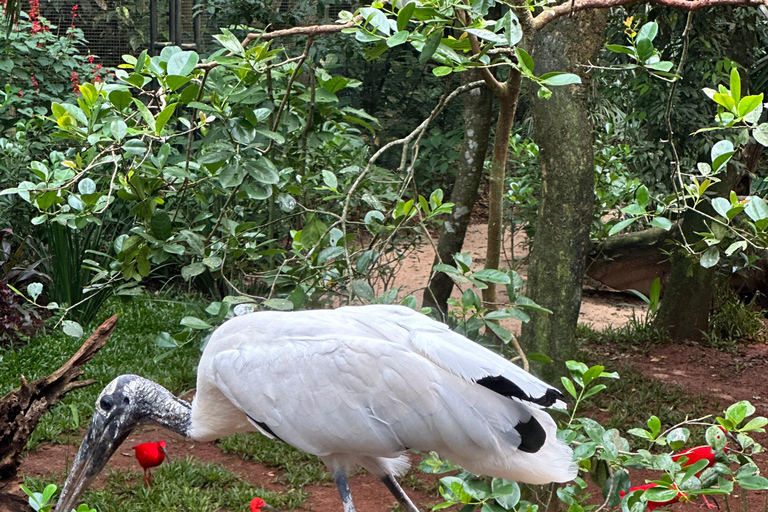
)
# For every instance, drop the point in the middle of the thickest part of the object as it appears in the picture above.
(631, 261)
(22, 408)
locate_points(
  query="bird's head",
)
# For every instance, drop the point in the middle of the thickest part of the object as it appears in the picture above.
(161, 446)
(125, 403)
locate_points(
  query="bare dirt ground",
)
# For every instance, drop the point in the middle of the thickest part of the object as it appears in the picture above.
(722, 377)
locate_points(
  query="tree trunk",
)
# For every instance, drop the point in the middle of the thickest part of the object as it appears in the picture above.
(478, 108)
(508, 99)
(563, 133)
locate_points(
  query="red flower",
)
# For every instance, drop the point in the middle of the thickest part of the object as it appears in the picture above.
(34, 80)
(75, 80)
(74, 14)
(34, 17)
(90, 59)
(20, 93)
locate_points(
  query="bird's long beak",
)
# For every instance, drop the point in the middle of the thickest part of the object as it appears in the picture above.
(104, 436)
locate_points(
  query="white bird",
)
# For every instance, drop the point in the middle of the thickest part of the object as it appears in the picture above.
(356, 386)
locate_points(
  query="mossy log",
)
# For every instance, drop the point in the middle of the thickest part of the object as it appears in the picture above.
(631, 261)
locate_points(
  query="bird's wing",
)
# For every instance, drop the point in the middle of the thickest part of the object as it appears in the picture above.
(325, 396)
(457, 354)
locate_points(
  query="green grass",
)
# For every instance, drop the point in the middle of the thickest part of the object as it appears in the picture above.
(638, 334)
(185, 485)
(131, 349)
(298, 468)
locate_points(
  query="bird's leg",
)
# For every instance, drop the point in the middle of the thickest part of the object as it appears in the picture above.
(399, 493)
(346, 496)
(710, 505)
(147, 478)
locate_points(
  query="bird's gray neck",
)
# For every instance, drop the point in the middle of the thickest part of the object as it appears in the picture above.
(161, 406)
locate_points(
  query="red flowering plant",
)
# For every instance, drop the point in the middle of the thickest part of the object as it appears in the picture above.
(39, 64)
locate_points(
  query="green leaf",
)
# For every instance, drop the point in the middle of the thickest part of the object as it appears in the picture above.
(34, 290)
(594, 390)
(569, 387)
(86, 186)
(145, 113)
(591, 374)
(755, 424)
(641, 196)
(557, 78)
(161, 225)
(491, 276)
(621, 225)
(279, 304)
(507, 494)
(721, 152)
(753, 483)
(264, 171)
(486, 35)
(195, 323)
(740, 410)
(721, 206)
(362, 289)
(398, 38)
(524, 61)
(761, 134)
(716, 438)
(404, 15)
(655, 425)
(736, 86)
(192, 270)
(510, 27)
(430, 47)
(119, 129)
(678, 437)
(164, 116)
(662, 222)
(229, 41)
(165, 340)
(628, 50)
(442, 71)
(72, 328)
(756, 209)
(710, 257)
(329, 179)
(499, 331)
(120, 99)
(660, 494)
(641, 433)
(182, 63)
(648, 31)
(750, 103)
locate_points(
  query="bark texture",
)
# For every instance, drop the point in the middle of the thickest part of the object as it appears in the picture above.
(478, 109)
(22, 408)
(563, 133)
(686, 301)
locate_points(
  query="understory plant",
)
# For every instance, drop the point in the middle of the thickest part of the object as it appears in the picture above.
(610, 460)
(243, 175)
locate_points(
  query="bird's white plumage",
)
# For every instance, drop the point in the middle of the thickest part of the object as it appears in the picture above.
(359, 385)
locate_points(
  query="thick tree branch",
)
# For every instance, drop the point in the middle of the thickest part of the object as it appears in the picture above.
(312, 30)
(567, 8)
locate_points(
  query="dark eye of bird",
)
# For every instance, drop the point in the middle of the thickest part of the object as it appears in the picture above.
(106, 403)
(126, 400)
